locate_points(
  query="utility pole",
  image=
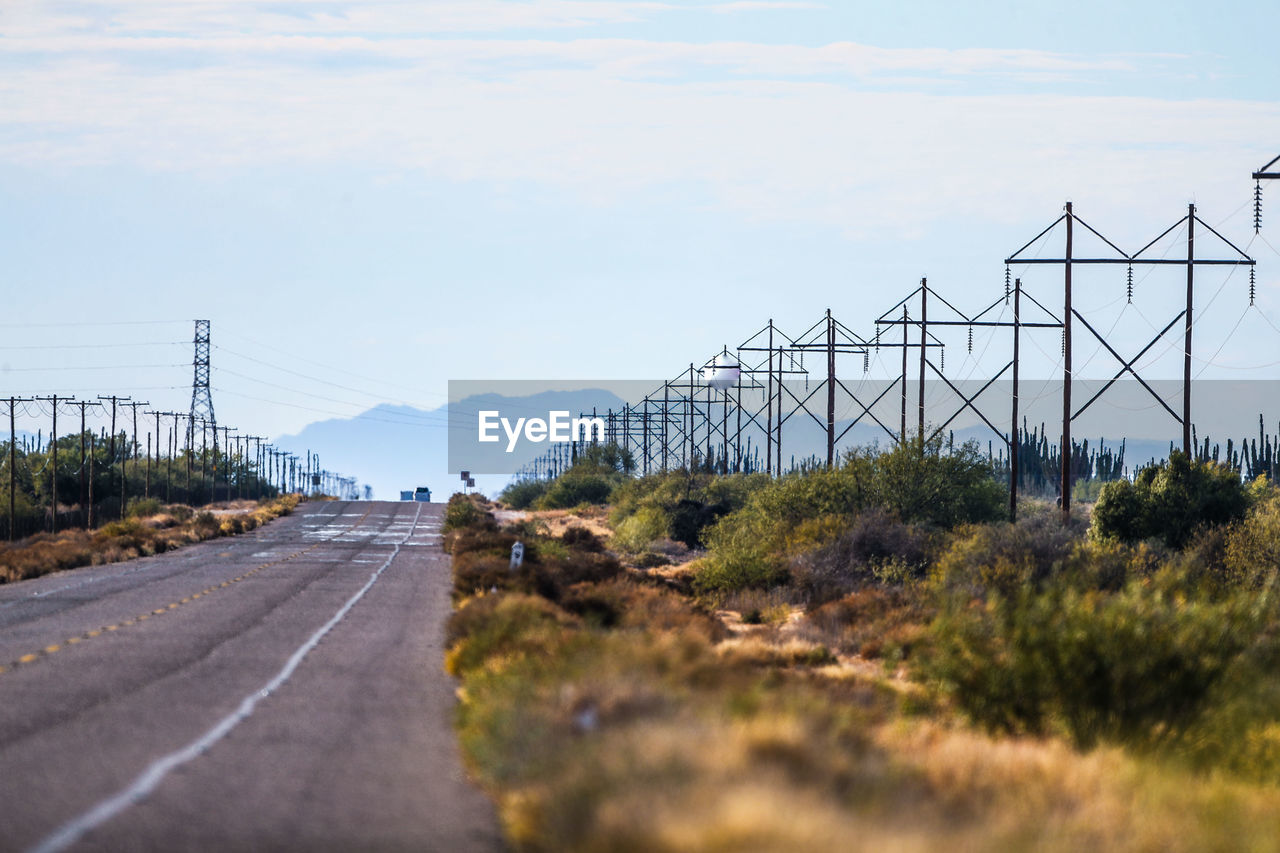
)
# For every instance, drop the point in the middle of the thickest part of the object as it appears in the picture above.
(132, 445)
(13, 465)
(201, 399)
(157, 452)
(84, 491)
(1015, 440)
(226, 445)
(111, 453)
(831, 390)
(1186, 355)
(53, 460)
(924, 350)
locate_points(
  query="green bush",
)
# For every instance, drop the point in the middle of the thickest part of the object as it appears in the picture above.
(507, 624)
(523, 494)
(916, 482)
(635, 532)
(679, 505)
(462, 511)
(1251, 550)
(144, 507)
(1137, 666)
(576, 487)
(1002, 558)
(1170, 501)
(875, 545)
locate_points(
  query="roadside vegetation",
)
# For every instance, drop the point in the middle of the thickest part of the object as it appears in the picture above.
(151, 528)
(868, 658)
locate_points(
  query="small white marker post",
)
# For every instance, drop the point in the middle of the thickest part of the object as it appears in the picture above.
(517, 555)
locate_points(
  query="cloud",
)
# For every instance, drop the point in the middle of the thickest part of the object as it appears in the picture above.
(766, 5)
(211, 18)
(865, 138)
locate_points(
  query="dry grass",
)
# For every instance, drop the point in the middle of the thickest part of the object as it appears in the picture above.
(623, 716)
(558, 521)
(135, 537)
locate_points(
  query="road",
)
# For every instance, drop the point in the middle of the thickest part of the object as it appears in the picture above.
(277, 690)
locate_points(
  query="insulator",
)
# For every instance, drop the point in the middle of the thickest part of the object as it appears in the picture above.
(1253, 285)
(1257, 206)
(1006, 284)
(942, 360)
(971, 339)
(1129, 286)
(866, 361)
(1064, 341)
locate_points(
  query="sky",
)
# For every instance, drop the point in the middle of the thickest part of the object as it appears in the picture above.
(368, 199)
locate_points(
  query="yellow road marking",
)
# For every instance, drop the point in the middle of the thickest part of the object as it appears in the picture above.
(48, 650)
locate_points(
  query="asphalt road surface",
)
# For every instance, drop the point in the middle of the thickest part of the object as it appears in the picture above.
(278, 690)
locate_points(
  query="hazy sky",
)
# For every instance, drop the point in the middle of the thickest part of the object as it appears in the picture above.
(419, 191)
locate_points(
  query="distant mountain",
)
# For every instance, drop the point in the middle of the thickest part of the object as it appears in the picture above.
(388, 448)
(393, 448)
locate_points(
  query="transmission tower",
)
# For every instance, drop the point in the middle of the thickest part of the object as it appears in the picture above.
(201, 401)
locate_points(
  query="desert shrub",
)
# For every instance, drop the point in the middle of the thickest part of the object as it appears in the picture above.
(1003, 557)
(552, 577)
(462, 511)
(180, 512)
(637, 530)
(476, 573)
(596, 472)
(871, 546)
(918, 481)
(575, 487)
(689, 518)
(1137, 666)
(508, 625)
(761, 606)
(749, 547)
(677, 504)
(1251, 548)
(526, 528)
(581, 539)
(872, 622)
(207, 524)
(624, 604)
(1170, 501)
(652, 560)
(523, 494)
(144, 507)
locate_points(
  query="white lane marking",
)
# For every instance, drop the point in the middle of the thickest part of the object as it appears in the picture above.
(72, 831)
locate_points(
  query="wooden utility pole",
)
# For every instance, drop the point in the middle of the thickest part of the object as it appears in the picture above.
(53, 460)
(131, 450)
(84, 491)
(111, 452)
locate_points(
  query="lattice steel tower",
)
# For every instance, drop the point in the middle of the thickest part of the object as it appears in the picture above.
(201, 401)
